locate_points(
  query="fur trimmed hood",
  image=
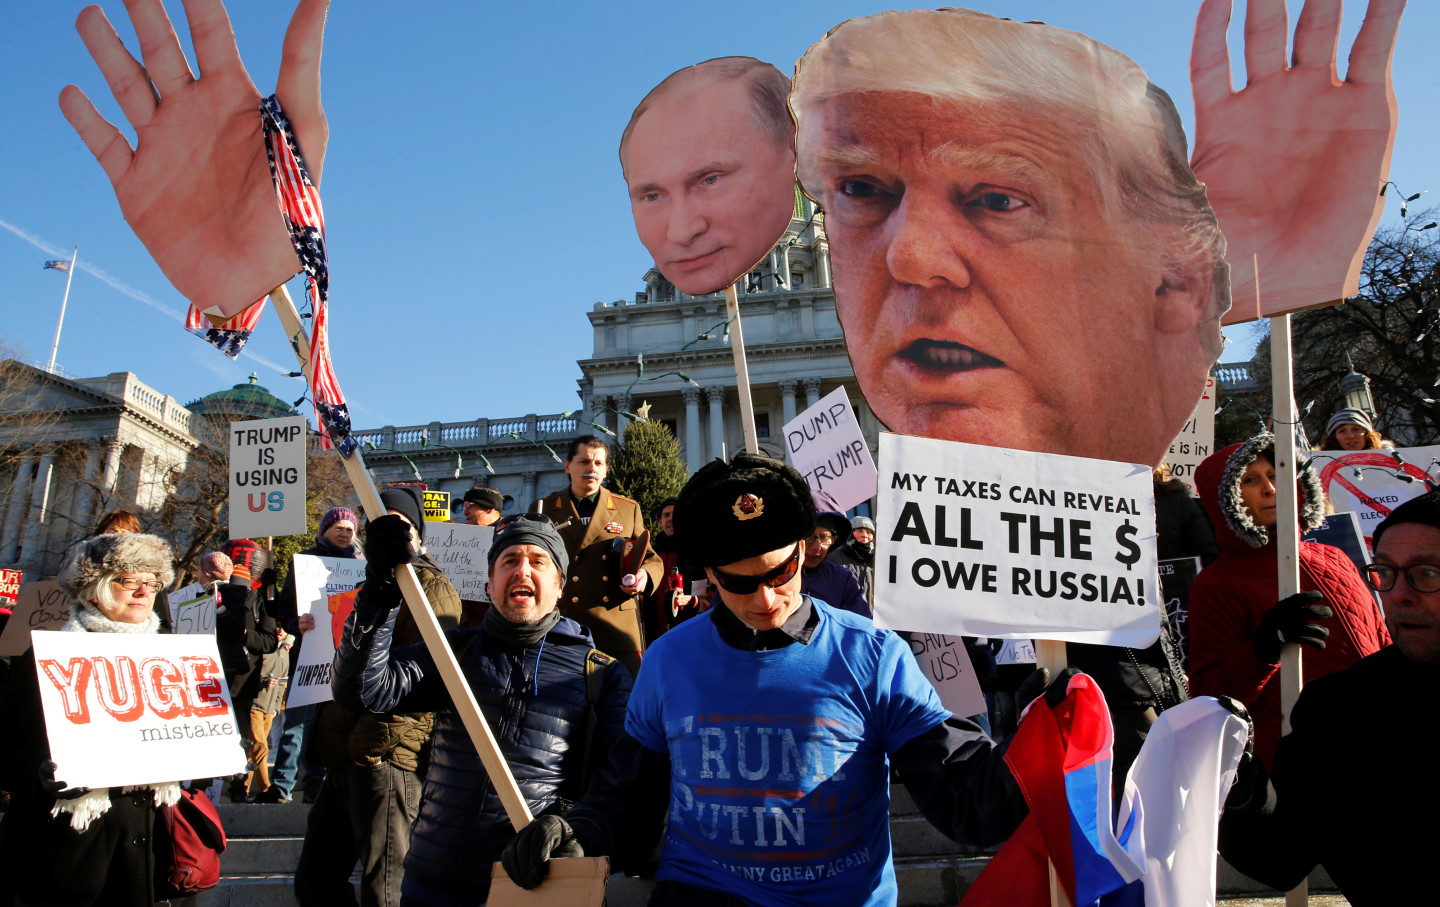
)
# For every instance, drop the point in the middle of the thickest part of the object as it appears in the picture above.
(115, 552)
(1218, 481)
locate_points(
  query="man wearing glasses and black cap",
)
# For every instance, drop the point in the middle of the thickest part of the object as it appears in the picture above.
(770, 726)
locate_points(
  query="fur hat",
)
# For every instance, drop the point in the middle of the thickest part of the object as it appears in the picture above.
(1232, 505)
(732, 511)
(115, 552)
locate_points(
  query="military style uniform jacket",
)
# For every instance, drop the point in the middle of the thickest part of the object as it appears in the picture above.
(592, 595)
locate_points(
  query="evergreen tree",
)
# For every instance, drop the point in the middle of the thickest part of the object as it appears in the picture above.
(648, 467)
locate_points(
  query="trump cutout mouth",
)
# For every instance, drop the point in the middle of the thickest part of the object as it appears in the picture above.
(947, 356)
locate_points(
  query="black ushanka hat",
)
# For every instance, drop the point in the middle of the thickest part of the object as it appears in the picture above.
(728, 512)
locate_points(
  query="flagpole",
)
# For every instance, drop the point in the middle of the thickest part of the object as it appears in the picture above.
(69, 276)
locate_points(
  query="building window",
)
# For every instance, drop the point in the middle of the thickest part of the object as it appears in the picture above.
(797, 279)
(673, 426)
(762, 425)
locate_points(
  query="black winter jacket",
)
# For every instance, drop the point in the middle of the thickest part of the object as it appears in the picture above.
(536, 704)
(244, 633)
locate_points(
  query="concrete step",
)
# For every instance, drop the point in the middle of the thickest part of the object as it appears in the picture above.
(243, 820)
(260, 856)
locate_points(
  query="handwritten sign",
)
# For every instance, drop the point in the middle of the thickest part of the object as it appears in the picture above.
(947, 666)
(1371, 483)
(267, 477)
(1016, 652)
(460, 549)
(10, 586)
(1196, 440)
(1177, 575)
(984, 541)
(320, 587)
(437, 506)
(117, 704)
(195, 611)
(827, 447)
(42, 605)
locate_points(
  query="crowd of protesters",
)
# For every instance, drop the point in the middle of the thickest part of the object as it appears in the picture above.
(599, 646)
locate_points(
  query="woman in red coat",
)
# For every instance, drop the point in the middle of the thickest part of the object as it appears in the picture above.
(1236, 626)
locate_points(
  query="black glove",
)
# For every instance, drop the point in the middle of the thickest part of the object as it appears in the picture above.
(527, 857)
(58, 789)
(1246, 774)
(1289, 622)
(1039, 682)
(388, 544)
(269, 577)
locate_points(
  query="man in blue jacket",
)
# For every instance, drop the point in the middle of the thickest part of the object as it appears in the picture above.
(527, 666)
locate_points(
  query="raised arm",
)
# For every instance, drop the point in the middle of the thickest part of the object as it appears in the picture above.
(196, 185)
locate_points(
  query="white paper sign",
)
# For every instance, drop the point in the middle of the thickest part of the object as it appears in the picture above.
(267, 477)
(1376, 491)
(827, 447)
(461, 549)
(324, 589)
(984, 541)
(192, 608)
(1196, 440)
(135, 709)
(1016, 652)
(947, 666)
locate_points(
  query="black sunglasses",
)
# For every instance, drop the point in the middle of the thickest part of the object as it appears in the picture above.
(746, 585)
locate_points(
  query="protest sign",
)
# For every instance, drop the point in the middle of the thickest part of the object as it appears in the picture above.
(192, 608)
(461, 551)
(117, 704)
(267, 477)
(1342, 530)
(1371, 483)
(1037, 545)
(1196, 440)
(1016, 652)
(320, 585)
(1177, 575)
(947, 666)
(42, 605)
(437, 506)
(10, 586)
(825, 444)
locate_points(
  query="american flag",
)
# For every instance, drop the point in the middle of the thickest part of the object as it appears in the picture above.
(229, 337)
(58, 265)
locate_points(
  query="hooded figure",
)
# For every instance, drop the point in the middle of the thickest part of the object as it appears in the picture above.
(1229, 655)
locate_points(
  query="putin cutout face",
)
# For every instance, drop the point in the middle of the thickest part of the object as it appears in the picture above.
(711, 190)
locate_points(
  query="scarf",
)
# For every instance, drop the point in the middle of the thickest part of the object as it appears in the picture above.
(521, 636)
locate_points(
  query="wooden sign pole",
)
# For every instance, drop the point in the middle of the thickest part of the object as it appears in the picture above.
(1050, 655)
(1287, 525)
(461, 695)
(742, 372)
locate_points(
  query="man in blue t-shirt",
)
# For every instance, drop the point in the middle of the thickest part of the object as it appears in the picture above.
(767, 731)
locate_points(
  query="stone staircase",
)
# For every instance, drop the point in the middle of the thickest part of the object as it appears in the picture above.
(259, 864)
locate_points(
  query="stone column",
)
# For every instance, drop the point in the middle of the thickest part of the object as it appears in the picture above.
(812, 392)
(37, 516)
(528, 498)
(715, 396)
(787, 397)
(15, 508)
(111, 479)
(598, 404)
(622, 403)
(822, 258)
(85, 494)
(694, 458)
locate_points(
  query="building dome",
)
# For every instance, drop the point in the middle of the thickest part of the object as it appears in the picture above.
(243, 401)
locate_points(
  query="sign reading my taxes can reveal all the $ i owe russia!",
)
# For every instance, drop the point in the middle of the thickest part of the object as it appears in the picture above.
(267, 477)
(984, 541)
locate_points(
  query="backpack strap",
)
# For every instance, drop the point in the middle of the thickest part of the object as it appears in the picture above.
(596, 663)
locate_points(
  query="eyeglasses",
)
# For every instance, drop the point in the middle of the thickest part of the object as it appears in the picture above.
(822, 538)
(135, 585)
(1421, 577)
(746, 585)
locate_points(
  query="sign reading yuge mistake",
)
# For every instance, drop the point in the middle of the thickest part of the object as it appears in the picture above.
(981, 541)
(267, 477)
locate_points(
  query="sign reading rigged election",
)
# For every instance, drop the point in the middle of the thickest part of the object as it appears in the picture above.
(135, 709)
(461, 551)
(827, 447)
(267, 477)
(324, 589)
(982, 541)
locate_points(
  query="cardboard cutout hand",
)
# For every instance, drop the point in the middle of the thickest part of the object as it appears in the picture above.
(196, 187)
(1294, 162)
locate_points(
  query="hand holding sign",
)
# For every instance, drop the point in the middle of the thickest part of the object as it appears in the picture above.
(196, 188)
(1294, 162)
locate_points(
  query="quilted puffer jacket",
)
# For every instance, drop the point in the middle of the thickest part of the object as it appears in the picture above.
(536, 703)
(1231, 595)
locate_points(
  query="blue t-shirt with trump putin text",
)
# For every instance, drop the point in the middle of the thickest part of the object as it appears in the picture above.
(779, 778)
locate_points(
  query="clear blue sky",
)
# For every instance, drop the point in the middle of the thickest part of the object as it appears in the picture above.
(473, 197)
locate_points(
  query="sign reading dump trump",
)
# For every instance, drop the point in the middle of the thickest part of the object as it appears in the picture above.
(125, 709)
(980, 541)
(827, 447)
(267, 477)
(324, 589)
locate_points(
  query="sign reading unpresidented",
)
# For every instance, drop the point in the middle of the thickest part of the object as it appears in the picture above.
(267, 477)
(135, 709)
(324, 589)
(1196, 440)
(984, 541)
(42, 605)
(827, 447)
(461, 551)
(10, 586)
(1371, 483)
